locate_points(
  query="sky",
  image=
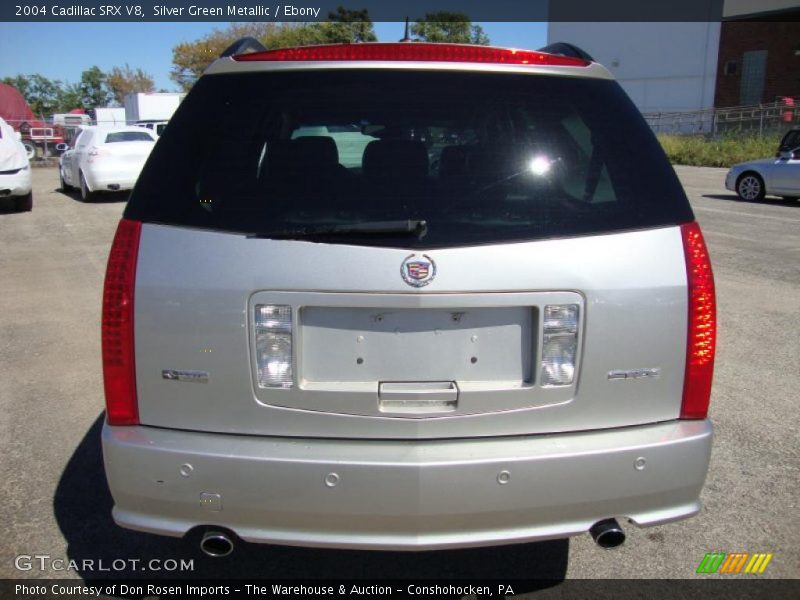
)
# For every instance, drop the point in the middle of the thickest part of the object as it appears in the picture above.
(63, 50)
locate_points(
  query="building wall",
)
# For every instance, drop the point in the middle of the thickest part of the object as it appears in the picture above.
(781, 40)
(664, 67)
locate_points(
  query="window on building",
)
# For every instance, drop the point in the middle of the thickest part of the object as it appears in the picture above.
(754, 70)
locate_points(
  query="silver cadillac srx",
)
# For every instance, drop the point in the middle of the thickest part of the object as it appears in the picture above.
(406, 296)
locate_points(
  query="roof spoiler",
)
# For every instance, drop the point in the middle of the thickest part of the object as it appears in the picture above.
(565, 49)
(242, 45)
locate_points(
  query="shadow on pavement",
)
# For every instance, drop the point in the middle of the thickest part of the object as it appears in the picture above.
(99, 197)
(769, 200)
(82, 505)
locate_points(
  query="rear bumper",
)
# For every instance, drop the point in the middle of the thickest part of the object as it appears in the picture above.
(16, 184)
(99, 178)
(730, 180)
(405, 495)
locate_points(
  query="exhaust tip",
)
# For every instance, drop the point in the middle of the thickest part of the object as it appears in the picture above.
(607, 533)
(216, 544)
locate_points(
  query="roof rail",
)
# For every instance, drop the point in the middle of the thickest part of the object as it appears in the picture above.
(242, 45)
(566, 49)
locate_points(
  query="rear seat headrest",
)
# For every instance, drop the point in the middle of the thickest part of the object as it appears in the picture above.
(453, 162)
(395, 159)
(319, 150)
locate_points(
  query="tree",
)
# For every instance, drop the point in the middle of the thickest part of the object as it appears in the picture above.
(190, 59)
(43, 95)
(455, 28)
(93, 89)
(71, 96)
(125, 80)
(349, 26)
(20, 82)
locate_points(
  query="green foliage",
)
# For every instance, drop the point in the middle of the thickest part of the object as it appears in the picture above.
(190, 59)
(349, 26)
(43, 95)
(71, 97)
(724, 151)
(20, 82)
(455, 28)
(93, 89)
(122, 81)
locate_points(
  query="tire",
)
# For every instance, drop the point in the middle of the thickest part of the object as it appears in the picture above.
(64, 186)
(750, 187)
(86, 194)
(24, 203)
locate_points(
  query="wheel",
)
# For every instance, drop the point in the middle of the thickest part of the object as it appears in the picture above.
(750, 186)
(64, 186)
(24, 203)
(86, 194)
(30, 149)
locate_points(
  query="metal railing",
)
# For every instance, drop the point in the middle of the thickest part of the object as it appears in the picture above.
(760, 119)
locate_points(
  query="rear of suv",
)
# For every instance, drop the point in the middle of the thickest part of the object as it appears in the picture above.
(406, 296)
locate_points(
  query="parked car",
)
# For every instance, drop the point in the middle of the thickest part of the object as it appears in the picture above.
(104, 159)
(15, 170)
(157, 127)
(498, 326)
(779, 176)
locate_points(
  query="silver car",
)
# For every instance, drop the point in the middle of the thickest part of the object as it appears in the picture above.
(779, 176)
(496, 326)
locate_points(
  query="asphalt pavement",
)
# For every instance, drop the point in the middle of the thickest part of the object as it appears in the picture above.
(54, 500)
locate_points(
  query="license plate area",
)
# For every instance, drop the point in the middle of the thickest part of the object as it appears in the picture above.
(464, 344)
(411, 338)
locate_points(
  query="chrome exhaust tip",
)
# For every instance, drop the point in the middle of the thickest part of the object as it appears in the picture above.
(216, 544)
(607, 533)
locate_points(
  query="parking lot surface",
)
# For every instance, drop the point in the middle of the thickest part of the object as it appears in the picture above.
(54, 500)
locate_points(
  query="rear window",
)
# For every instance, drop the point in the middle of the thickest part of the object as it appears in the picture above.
(128, 136)
(480, 157)
(791, 141)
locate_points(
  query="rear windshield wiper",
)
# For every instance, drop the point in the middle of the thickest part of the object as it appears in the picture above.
(409, 226)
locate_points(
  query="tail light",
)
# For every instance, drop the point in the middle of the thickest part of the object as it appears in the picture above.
(702, 333)
(415, 52)
(119, 368)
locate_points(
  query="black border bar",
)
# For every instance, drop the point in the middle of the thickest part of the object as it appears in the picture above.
(379, 10)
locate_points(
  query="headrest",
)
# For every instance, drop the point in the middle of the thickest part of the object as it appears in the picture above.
(319, 149)
(395, 159)
(453, 162)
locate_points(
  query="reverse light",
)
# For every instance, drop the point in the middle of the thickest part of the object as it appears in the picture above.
(702, 321)
(119, 368)
(559, 344)
(274, 345)
(415, 52)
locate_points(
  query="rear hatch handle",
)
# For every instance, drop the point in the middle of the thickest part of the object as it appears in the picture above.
(417, 397)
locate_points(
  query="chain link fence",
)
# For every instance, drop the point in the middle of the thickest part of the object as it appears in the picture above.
(758, 119)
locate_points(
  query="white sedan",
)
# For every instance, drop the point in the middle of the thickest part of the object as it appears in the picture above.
(15, 172)
(779, 176)
(104, 159)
